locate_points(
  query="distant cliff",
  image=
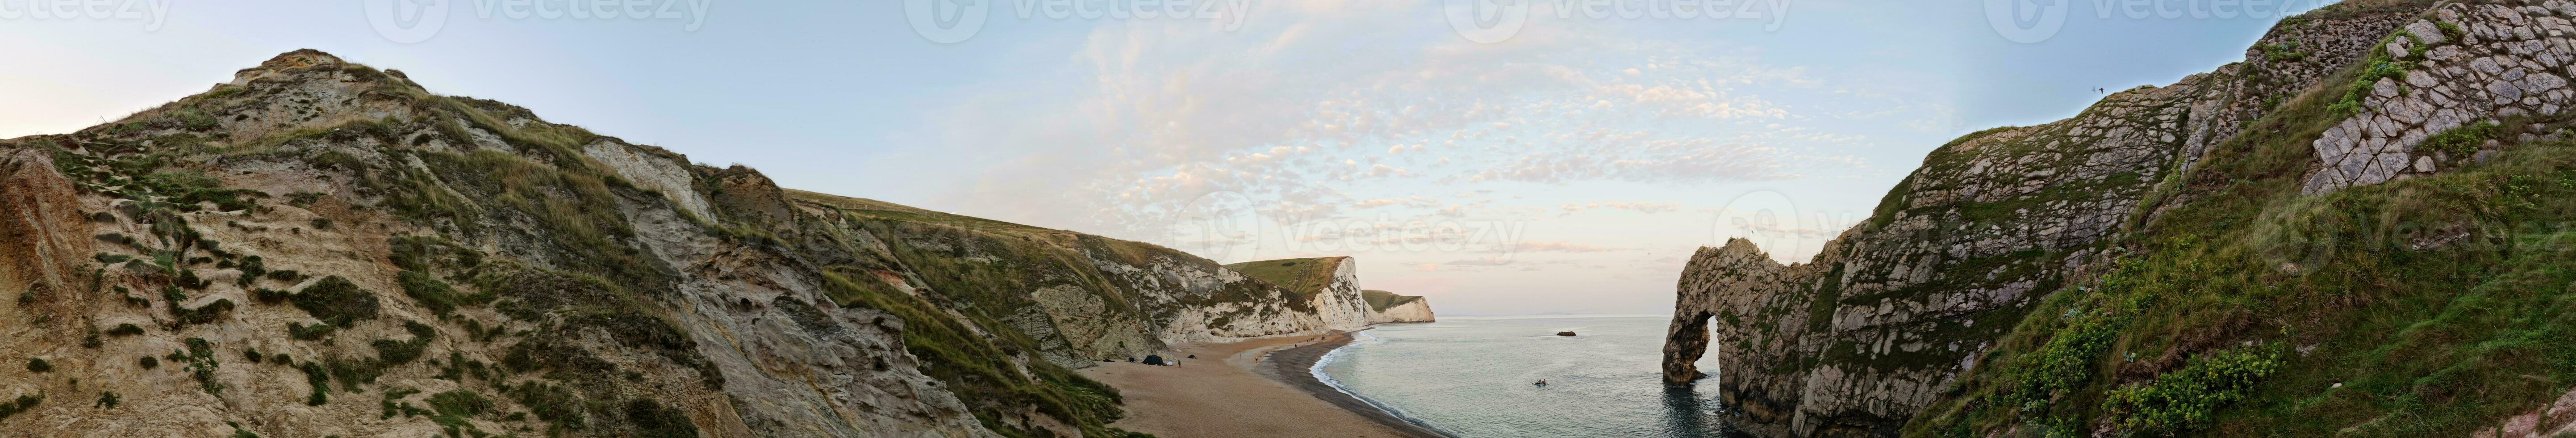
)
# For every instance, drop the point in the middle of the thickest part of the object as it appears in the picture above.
(321, 248)
(2273, 248)
(1385, 307)
(1329, 284)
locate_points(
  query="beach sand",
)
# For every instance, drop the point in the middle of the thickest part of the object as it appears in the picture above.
(1250, 389)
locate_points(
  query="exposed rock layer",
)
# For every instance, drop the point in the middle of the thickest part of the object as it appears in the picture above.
(1881, 321)
(320, 248)
(1386, 307)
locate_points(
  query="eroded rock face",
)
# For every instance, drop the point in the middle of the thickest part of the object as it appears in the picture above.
(459, 248)
(1330, 286)
(2467, 65)
(1340, 303)
(1387, 307)
(1418, 310)
(1857, 340)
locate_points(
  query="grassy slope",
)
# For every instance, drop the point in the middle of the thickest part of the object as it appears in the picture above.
(561, 201)
(1381, 300)
(1306, 277)
(2255, 311)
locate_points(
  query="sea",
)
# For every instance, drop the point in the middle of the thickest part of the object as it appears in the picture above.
(1470, 377)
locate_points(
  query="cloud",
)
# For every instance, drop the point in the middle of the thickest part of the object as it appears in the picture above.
(1640, 207)
(1158, 121)
(1558, 246)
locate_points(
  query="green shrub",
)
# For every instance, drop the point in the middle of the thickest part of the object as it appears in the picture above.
(38, 365)
(2379, 66)
(107, 400)
(314, 332)
(202, 314)
(148, 362)
(22, 404)
(2189, 398)
(252, 268)
(460, 403)
(336, 301)
(125, 329)
(2462, 141)
(316, 377)
(200, 361)
(402, 352)
(652, 419)
(438, 296)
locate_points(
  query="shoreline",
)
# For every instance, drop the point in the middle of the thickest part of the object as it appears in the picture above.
(1225, 390)
(1295, 366)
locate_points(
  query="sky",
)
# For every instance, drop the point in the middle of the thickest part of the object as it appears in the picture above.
(1498, 156)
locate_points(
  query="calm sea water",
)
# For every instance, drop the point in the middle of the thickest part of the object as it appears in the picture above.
(1470, 377)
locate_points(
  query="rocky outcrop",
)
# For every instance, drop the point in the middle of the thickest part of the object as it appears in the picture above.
(1329, 284)
(1387, 307)
(318, 248)
(2442, 89)
(1087, 298)
(1889, 314)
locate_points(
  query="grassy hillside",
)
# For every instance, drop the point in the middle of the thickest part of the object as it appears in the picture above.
(1306, 277)
(2430, 306)
(374, 241)
(1381, 300)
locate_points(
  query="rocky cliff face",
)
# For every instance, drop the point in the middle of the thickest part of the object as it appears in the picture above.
(319, 248)
(2492, 68)
(1386, 307)
(1893, 311)
(1330, 284)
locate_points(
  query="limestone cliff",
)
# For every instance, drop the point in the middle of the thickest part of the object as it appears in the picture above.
(1891, 313)
(320, 248)
(1386, 307)
(1329, 284)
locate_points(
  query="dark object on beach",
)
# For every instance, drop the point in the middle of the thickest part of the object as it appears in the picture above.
(1565, 333)
(1151, 359)
(1131, 359)
(1541, 382)
(1108, 360)
(1194, 356)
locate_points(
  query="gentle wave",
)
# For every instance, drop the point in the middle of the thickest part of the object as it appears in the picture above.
(1362, 337)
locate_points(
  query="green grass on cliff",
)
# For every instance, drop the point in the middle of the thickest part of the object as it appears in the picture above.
(977, 276)
(2431, 306)
(1306, 277)
(1381, 300)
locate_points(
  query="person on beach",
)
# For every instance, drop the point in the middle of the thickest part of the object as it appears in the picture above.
(1541, 382)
